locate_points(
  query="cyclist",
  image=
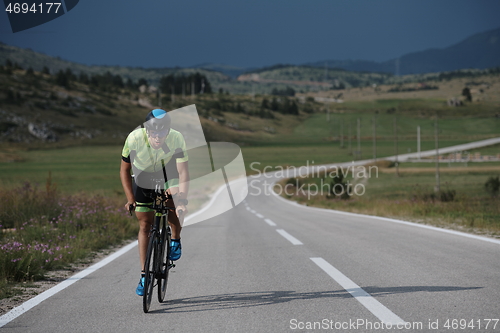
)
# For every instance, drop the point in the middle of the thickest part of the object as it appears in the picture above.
(155, 152)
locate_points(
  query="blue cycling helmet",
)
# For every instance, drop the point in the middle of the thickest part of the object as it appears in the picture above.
(157, 120)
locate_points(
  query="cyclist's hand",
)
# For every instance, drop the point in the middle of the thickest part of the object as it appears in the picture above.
(181, 211)
(130, 206)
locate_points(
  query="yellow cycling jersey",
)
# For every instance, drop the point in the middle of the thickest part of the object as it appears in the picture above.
(159, 162)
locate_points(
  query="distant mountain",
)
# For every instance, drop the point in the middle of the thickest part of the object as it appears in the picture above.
(27, 58)
(231, 71)
(354, 65)
(479, 51)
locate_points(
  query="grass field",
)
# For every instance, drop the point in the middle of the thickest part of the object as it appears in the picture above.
(88, 169)
(463, 202)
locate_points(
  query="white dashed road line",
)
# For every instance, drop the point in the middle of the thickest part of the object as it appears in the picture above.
(369, 302)
(374, 306)
(289, 237)
(271, 223)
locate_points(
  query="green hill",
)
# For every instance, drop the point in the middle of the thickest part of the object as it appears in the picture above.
(223, 77)
(27, 58)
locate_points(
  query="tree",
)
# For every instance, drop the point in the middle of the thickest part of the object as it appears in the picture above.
(142, 81)
(289, 107)
(175, 83)
(70, 75)
(62, 79)
(466, 93)
(285, 92)
(265, 104)
(492, 186)
(117, 81)
(274, 104)
(130, 84)
(84, 78)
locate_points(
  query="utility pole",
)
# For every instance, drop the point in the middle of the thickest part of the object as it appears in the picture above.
(331, 132)
(359, 139)
(342, 133)
(418, 142)
(349, 139)
(375, 137)
(436, 138)
(396, 144)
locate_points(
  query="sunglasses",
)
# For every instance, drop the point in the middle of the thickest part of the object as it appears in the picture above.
(159, 134)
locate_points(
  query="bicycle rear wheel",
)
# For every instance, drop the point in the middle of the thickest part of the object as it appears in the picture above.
(150, 272)
(165, 263)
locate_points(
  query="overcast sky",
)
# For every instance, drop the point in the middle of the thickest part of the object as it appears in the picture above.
(253, 33)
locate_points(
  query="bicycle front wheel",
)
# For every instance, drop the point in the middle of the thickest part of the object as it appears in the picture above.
(149, 272)
(165, 263)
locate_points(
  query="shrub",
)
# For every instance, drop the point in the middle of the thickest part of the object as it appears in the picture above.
(338, 188)
(492, 186)
(294, 182)
(443, 196)
(447, 196)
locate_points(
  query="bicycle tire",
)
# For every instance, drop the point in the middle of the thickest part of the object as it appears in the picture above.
(164, 261)
(149, 273)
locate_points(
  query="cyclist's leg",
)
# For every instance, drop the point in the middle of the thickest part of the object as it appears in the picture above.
(175, 226)
(145, 222)
(174, 222)
(145, 215)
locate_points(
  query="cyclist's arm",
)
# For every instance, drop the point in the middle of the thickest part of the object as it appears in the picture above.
(182, 168)
(126, 180)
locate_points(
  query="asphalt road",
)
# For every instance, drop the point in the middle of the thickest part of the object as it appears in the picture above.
(269, 265)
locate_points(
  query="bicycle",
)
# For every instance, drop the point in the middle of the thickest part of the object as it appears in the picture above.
(158, 264)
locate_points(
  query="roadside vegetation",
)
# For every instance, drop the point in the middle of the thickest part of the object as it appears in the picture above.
(43, 229)
(468, 198)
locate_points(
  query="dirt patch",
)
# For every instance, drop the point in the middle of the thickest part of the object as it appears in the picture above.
(10, 157)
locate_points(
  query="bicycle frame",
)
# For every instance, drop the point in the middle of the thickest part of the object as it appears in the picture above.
(158, 251)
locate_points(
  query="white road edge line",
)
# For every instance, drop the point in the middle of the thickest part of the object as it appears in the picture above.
(271, 223)
(17, 311)
(418, 225)
(374, 306)
(289, 237)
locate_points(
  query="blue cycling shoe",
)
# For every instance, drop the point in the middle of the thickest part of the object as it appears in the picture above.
(175, 249)
(140, 287)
